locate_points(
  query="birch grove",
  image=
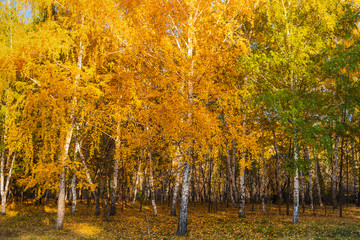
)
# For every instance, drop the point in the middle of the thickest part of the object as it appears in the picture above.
(127, 103)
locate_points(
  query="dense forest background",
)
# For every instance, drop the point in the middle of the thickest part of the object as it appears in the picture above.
(229, 101)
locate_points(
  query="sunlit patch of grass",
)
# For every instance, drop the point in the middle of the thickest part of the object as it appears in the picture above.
(86, 229)
(11, 206)
(11, 213)
(50, 209)
(146, 208)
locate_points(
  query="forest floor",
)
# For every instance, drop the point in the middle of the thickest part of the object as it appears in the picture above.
(36, 222)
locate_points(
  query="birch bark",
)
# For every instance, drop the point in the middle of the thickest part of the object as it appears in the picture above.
(4, 187)
(73, 192)
(177, 182)
(114, 184)
(151, 183)
(296, 187)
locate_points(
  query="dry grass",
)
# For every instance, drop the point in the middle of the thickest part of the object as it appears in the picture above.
(29, 222)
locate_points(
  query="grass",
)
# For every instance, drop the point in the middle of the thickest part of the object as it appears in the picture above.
(30, 222)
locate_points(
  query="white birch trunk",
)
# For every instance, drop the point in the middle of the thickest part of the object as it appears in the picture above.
(296, 186)
(183, 213)
(2, 164)
(242, 193)
(136, 185)
(230, 175)
(61, 198)
(73, 192)
(242, 175)
(151, 183)
(177, 182)
(114, 184)
(2, 184)
(311, 188)
(5, 187)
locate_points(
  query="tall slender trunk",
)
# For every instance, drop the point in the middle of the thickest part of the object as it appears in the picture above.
(114, 184)
(289, 50)
(107, 205)
(73, 192)
(242, 172)
(334, 182)
(177, 182)
(73, 183)
(136, 183)
(242, 187)
(183, 214)
(5, 186)
(296, 186)
(2, 165)
(2, 184)
(151, 183)
(311, 188)
(242, 192)
(230, 175)
(61, 198)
